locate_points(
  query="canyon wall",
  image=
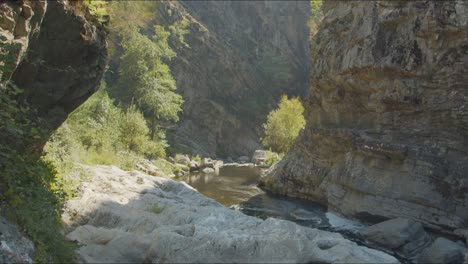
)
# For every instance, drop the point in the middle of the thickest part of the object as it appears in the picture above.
(243, 55)
(54, 53)
(387, 116)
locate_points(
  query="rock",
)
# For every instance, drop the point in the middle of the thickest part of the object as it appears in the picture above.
(65, 59)
(243, 159)
(207, 163)
(393, 233)
(405, 236)
(208, 170)
(218, 163)
(194, 166)
(148, 167)
(304, 215)
(225, 114)
(167, 221)
(14, 247)
(463, 233)
(386, 116)
(259, 156)
(443, 251)
(183, 159)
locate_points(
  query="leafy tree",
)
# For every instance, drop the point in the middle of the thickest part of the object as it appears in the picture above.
(133, 130)
(145, 78)
(283, 125)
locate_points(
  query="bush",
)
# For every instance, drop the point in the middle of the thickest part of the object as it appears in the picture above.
(283, 125)
(29, 184)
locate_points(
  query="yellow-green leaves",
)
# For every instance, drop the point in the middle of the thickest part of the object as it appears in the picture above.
(284, 124)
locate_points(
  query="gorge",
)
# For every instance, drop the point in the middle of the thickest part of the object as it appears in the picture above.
(384, 150)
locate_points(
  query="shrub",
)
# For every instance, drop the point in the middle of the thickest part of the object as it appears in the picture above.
(283, 125)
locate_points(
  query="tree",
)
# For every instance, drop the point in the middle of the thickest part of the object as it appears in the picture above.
(283, 125)
(146, 78)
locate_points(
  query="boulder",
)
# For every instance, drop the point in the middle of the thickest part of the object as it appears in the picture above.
(148, 167)
(443, 251)
(14, 247)
(243, 159)
(259, 156)
(403, 234)
(182, 159)
(161, 220)
(194, 166)
(463, 233)
(207, 163)
(208, 170)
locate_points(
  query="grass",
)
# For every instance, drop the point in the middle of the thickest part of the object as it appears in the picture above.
(155, 209)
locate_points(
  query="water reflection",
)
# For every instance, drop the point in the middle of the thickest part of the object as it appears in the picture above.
(236, 187)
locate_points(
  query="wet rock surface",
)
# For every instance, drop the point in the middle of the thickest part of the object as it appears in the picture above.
(386, 115)
(120, 219)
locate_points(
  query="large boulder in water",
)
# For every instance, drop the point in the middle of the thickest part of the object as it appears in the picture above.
(405, 236)
(119, 218)
(444, 251)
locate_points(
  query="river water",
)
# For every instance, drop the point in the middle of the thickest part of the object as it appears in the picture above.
(236, 188)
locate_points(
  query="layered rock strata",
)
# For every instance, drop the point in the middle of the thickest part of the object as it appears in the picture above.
(387, 116)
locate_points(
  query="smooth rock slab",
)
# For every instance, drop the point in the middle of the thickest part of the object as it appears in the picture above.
(393, 233)
(14, 247)
(443, 251)
(118, 219)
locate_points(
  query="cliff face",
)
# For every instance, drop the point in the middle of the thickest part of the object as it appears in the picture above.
(387, 123)
(55, 55)
(243, 55)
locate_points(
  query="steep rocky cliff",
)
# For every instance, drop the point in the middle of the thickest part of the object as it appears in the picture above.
(243, 55)
(53, 52)
(387, 117)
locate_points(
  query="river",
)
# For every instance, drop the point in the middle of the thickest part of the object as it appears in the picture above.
(235, 186)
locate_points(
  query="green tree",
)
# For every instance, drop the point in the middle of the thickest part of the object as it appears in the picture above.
(133, 130)
(283, 125)
(145, 78)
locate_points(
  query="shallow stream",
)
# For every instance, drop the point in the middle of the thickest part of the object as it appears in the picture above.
(236, 187)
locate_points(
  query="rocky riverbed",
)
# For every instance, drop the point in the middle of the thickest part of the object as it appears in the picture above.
(133, 217)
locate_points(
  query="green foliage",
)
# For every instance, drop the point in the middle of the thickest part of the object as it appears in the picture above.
(284, 124)
(178, 31)
(133, 130)
(272, 158)
(166, 167)
(316, 16)
(155, 209)
(8, 57)
(98, 132)
(97, 8)
(316, 8)
(146, 78)
(196, 158)
(27, 182)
